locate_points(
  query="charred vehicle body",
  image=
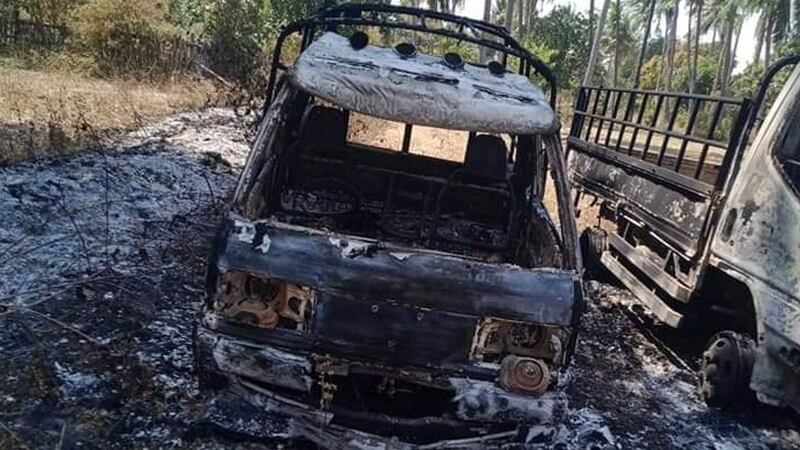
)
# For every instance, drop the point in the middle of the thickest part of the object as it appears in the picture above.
(380, 295)
(702, 223)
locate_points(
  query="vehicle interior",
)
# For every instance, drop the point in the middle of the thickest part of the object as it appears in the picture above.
(488, 205)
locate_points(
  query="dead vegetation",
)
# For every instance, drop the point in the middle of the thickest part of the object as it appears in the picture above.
(45, 113)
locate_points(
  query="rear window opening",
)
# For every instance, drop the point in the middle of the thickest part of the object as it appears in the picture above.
(375, 132)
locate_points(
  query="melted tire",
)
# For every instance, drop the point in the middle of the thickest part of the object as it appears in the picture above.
(593, 243)
(724, 378)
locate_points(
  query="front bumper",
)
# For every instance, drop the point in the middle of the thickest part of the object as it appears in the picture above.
(480, 413)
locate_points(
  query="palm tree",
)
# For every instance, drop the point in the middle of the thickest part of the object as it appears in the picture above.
(671, 12)
(778, 24)
(617, 39)
(647, 28)
(448, 6)
(598, 35)
(726, 15)
(509, 22)
(697, 32)
(487, 17)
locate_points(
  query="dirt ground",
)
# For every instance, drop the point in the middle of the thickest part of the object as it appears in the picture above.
(102, 260)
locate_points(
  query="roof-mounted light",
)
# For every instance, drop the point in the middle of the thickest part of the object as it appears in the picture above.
(406, 50)
(359, 40)
(453, 61)
(496, 68)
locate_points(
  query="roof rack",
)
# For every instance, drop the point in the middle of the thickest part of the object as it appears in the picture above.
(391, 16)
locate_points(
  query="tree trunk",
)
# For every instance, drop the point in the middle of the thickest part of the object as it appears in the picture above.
(643, 52)
(768, 49)
(521, 18)
(759, 38)
(510, 16)
(591, 19)
(698, 27)
(731, 61)
(530, 15)
(617, 39)
(721, 59)
(689, 46)
(664, 52)
(485, 54)
(672, 26)
(598, 35)
(728, 61)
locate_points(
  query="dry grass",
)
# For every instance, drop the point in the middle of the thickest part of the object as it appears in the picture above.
(44, 113)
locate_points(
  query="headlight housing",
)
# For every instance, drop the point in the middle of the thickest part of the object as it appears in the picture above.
(262, 302)
(497, 338)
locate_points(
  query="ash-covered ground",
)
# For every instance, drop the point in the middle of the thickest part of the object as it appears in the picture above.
(102, 260)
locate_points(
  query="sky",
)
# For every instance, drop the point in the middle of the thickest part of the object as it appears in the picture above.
(744, 55)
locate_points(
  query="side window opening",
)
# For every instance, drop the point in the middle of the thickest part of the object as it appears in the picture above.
(788, 151)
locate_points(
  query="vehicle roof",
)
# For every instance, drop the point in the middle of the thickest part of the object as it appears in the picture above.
(421, 90)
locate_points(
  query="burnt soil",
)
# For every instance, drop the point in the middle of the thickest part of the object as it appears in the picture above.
(102, 261)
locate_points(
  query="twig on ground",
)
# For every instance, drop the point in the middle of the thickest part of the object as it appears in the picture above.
(14, 244)
(118, 286)
(79, 233)
(30, 250)
(210, 189)
(61, 437)
(61, 324)
(68, 284)
(14, 435)
(219, 78)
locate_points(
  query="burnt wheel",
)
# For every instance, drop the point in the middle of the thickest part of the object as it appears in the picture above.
(725, 371)
(593, 243)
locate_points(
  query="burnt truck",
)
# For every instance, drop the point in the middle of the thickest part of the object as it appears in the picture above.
(700, 223)
(384, 295)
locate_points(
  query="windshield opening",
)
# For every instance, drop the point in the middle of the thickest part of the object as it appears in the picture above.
(449, 190)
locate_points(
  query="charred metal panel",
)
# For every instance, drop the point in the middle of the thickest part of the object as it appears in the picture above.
(421, 90)
(759, 244)
(392, 333)
(680, 216)
(483, 401)
(368, 269)
(264, 364)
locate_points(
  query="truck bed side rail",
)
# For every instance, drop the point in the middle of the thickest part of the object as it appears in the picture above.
(663, 157)
(683, 140)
